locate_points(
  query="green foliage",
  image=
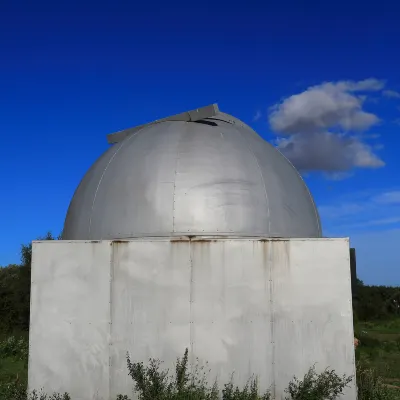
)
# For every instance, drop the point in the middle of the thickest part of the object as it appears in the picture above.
(371, 387)
(153, 384)
(249, 392)
(15, 285)
(379, 348)
(324, 386)
(375, 302)
(377, 325)
(14, 298)
(378, 359)
(17, 391)
(42, 396)
(13, 391)
(13, 347)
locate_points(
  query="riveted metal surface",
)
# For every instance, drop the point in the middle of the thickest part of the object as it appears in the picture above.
(177, 178)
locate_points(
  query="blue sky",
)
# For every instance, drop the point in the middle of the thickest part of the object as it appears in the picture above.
(320, 81)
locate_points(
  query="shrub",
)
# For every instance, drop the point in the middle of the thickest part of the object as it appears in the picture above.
(43, 396)
(153, 384)
(13, 347)
(370, 386)
(17, 391)
(13, 391)
(249, 392)
(324, 386)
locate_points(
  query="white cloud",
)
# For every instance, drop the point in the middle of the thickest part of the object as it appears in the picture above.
(340, 210)
(363, 155)
(371, 136)
(391, 94)
(309, 122)
(361, 210)
(367, 85)
(392, 197)
(327, 151)
(257, 116)
(373, 223)
(322, 107)
(383, 221)
(338, 175)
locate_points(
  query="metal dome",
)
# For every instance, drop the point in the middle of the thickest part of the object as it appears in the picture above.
(198, 173)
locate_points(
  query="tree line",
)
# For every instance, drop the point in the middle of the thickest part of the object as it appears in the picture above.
(369, 302)
(375, 302)
(15, 291)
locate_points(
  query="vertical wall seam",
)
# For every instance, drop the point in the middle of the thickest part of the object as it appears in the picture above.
(110, 342)
(272, 321)
(191, 333)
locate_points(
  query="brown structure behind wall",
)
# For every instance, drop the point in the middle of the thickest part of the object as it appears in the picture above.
(353, 269)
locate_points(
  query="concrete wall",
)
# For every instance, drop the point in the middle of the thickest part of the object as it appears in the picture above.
(272, 308)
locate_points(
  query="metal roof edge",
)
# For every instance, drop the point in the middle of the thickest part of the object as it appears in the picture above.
(187, 116)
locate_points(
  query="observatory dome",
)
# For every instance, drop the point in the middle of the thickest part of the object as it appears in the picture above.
(202, 172)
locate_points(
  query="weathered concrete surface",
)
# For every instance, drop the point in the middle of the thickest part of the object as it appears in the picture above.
(70, 319)
(272, 308)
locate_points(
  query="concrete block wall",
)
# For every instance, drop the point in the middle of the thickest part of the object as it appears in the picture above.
(265, 307)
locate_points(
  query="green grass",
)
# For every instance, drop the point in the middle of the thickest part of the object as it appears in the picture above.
(11, 369)
(17, 334)
(380, 327)
(379, 349)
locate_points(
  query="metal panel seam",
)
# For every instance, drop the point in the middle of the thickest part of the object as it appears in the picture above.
(319, 228)
(123, 143)
(261, 174)
(175, 172)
